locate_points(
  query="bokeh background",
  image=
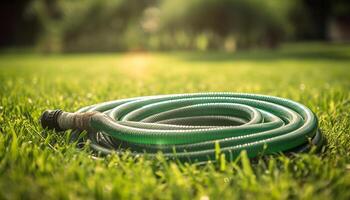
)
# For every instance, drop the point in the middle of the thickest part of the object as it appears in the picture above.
(156, 25)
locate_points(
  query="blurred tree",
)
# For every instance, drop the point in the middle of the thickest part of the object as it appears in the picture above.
(339, 22)
(92, 25)
(311, 18)
(110, 25)
(250, 22)
(17, 28)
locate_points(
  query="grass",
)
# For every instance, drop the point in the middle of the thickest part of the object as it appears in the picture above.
(34, 164)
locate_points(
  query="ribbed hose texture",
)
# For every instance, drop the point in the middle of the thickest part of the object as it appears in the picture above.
(189, 126)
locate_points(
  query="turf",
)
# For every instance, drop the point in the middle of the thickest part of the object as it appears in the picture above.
(36, 164)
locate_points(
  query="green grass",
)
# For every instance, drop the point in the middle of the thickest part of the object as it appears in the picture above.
(34, 164)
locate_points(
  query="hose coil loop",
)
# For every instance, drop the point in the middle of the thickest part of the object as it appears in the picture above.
(188, 126)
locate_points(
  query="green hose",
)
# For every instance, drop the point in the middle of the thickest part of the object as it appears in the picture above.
(190, 126)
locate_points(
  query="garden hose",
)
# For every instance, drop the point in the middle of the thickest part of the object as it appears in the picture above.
(193, 126)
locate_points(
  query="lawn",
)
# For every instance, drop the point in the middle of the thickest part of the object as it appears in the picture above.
(36, 164)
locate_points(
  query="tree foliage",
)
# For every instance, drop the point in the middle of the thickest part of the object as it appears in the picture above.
(94, 25)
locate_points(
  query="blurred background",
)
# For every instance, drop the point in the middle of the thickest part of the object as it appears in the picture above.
(157, 25)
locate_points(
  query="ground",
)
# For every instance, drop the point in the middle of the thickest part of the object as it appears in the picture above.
(36, 164)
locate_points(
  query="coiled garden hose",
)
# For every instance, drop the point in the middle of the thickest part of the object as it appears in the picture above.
(190, 126)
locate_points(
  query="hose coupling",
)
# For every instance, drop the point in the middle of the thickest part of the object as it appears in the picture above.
(60, 121)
